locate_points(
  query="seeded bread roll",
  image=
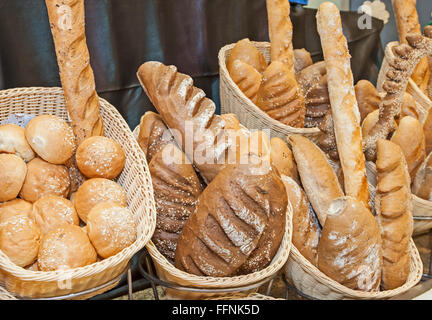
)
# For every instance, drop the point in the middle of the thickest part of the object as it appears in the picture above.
(245, 51)
(13, 140)
(393, 207)
(317, 176)
(410, 138)
(306, 230)
(13, 172)
(238, 223)
(246, 77)
(176, 189)
(350, 248)
(16, 207)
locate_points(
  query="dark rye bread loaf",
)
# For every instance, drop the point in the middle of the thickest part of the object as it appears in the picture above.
(238, 223)
(176, 189)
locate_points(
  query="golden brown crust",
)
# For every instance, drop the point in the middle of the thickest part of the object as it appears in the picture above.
(13, 172)
(422, 184)
(282, 159)
(327, 141)
(345, 114)
(427, 130)
(13, 140)
(280, 97)
(73, 60)
(393, 206)
(15, 207)
(245, 51)
(238, 224)
(302, 59)
(246, 77)
(176, 189)
(350, 249)
(367, 97)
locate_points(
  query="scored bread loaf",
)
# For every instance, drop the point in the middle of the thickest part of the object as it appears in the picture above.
(393, 207)
(317, 176)
(67, 26)
(153, 134)
(245, 51)
(410, 138)
(185, 109)
(422, 183)
(282, 159)
(246, 77)
(367, 97)
(280, 97)
(239, 221)
(345, 112)
(350, 248)
(176, 189)
(306, 230)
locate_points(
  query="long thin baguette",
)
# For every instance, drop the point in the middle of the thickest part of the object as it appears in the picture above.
(345, 112)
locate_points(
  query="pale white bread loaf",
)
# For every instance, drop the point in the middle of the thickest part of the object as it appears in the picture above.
(345, 112)
(393, 206)
(316, 174)
(350, 249)
(13, 140)
(306, 230)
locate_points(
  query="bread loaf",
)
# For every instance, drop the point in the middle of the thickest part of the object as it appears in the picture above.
(176, 189)
(350, 249)
(317, 176)
(13, 140)
(280, 97)
(393, 206)
(306, 230)
(367, 97)
(427, 130)
(246, 77)
(422, 183)
(302, 59)
(409, 107)
(345, 113)
(327, 140)
(245, 51)
(410, 138)
(239, 222)
(67, 26)
(282, 159)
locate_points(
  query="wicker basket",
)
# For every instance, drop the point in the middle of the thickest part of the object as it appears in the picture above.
(167, 272)
(423, 102)
(135, 180)
(234, 101)
(252, 296)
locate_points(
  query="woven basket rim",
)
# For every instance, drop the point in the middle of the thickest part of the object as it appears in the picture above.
(126, 254)
(247, 102)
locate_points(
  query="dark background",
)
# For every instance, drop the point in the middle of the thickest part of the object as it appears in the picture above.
(122, 34)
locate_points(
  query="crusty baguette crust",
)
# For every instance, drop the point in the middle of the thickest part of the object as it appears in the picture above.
(316, 174)
(393, 206)
(345, 113)
(76, 74)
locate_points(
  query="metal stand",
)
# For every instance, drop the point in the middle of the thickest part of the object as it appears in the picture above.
(147, 270)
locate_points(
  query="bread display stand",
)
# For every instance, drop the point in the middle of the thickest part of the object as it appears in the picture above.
(182, 285)
(233, 100)
(88, 281)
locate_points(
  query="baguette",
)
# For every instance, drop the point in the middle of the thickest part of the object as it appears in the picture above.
(345, 112)
(76, 74)
(393, 207)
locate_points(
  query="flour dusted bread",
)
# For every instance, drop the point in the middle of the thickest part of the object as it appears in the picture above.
(239, 222)
(282, 159)
(280, 97)
(184, 107)
(393, 206)
(76, 74)
(345, 113)
(15, 207)
(153, 134)
(367, 97)
(306, 230)
(422, 183)
(176, 189)
(317, 176)
(110, 228)
(63, 248)
(350, 249)
(13, 140)
(246, 77)
(13, 172)
(44, 178)
(410, 138)
(19, 240)
(245, 51)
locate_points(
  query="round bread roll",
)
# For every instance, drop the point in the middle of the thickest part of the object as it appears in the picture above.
(65, 247)
(13, 140)
(100, 157)
(16, 207)
(111, 228)
(51, 138)
(12, 174)
(52, 211)
(44, 178)
(19, 240)
(97, 190)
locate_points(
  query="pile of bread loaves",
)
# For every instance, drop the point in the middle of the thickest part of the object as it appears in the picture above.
(44, 225)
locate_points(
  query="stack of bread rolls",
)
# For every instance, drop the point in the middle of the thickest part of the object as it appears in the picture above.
(43, 225)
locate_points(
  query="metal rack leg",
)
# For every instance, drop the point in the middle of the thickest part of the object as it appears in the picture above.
(129, 281)
(149, 269)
